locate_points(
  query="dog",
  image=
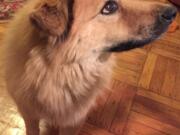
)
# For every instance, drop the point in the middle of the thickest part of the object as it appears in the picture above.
(59, 54)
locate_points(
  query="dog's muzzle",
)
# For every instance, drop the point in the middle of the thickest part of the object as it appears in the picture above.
(165, 17)
(168, 14)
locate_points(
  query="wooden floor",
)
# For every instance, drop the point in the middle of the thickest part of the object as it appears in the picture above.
(145, 97)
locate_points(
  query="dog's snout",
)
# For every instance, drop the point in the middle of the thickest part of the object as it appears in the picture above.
(168, 14)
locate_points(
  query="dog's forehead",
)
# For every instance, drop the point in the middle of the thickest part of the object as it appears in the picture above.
(87, 8)
(88, 2)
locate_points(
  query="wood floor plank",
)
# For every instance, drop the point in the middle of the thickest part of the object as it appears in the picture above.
(176, 90)
(126, 75)
(131, 132)
(162, 76)
(155, 124)
(166, 53)
(129, 66)
(121, 116)
(170, 78)
(158, 98)
(141, 129)
(158, 76)
(89, 129)
(168, 46)
(147, 72)
(156, 110)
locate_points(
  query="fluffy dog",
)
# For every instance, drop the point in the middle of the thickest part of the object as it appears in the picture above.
(59, 54)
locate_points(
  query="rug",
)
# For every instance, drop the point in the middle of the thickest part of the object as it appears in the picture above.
(8, 8)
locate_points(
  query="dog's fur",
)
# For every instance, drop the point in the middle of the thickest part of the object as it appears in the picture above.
(59, 55)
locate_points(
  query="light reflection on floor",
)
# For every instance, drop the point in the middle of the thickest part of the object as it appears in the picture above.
(11, 122)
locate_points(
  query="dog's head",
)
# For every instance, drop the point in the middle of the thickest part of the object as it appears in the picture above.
(103, 25)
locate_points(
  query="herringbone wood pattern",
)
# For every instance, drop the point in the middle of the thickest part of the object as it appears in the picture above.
(144, 100)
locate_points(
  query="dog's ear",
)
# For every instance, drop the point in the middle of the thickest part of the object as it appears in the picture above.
(51, 17)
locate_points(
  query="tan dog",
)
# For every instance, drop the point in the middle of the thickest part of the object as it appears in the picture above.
(59, 54)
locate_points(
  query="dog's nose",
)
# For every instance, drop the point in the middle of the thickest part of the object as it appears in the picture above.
(168, 13)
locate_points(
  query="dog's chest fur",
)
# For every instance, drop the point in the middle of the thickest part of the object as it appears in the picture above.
(66, 92)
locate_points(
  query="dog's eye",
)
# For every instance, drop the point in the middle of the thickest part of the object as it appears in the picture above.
(109, 8)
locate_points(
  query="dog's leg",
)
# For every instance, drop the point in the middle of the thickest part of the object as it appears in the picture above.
(73, 130)
(31, 121)
(32, 126)
(51, 130)
(70, 130)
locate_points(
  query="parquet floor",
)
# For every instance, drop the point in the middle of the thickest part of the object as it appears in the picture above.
(145, 97)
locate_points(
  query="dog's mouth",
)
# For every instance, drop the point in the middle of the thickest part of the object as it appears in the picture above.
(154, 32)
(128, 45)
(157, 30)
